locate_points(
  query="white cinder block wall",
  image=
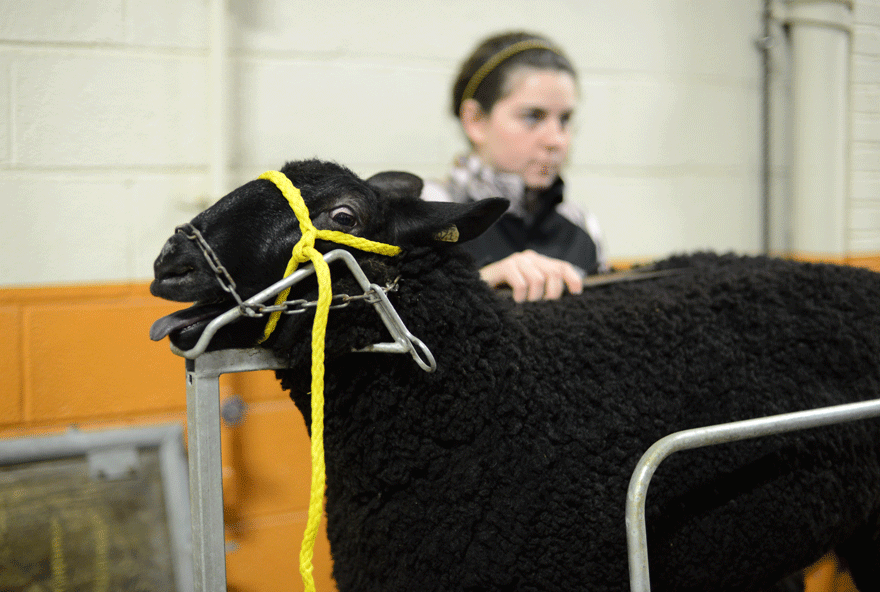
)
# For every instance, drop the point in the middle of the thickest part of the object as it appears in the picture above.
(105, 135)
(865, 180)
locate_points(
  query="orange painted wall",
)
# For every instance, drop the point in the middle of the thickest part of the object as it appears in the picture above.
(81, 355)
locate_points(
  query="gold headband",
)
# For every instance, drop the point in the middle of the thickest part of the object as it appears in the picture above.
(492, 63)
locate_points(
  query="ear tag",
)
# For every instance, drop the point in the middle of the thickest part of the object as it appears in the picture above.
(448, 235)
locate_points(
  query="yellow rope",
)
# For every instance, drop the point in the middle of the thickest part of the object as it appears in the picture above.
(303, 251)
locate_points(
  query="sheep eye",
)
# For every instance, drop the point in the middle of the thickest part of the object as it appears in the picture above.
(343, 216)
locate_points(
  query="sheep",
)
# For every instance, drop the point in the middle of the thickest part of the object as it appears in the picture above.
(507, 467)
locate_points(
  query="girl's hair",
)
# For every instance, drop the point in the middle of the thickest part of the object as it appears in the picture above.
(485, 74)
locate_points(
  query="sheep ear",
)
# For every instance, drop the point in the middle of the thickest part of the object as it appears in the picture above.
(423, 222)
(428, 222)
(473, 219)
(396, 184)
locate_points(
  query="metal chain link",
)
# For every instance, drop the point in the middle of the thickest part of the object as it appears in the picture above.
(258, 310)
(226, 281)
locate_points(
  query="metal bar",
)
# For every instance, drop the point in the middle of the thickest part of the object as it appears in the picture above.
(404, 341)
(205, 479)
(167, 439)
(205, 465)
(76, 443)
(176, 490)
(270, 292)
(234, 313)
(627, 275)
(636, 530)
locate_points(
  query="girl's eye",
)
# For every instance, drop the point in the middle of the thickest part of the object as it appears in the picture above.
(344, 216)
(532, 117)
(565, 120)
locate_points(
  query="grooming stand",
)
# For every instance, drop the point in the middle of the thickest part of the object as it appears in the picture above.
(636, 533)
(203, 370)
(205, 467)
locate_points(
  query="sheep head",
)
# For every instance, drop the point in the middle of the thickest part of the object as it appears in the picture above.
(253, 230)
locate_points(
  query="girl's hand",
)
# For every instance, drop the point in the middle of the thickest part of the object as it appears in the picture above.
(533, 276)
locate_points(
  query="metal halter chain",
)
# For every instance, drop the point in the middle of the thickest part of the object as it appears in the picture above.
(257, 310)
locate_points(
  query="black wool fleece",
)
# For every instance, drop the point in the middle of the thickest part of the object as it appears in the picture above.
(507, 468)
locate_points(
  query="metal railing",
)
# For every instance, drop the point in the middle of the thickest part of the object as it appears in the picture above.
(636, 532)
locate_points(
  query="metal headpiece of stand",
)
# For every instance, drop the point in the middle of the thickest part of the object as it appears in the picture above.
(404, 341)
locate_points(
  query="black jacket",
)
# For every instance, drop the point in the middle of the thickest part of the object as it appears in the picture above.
(546, 232)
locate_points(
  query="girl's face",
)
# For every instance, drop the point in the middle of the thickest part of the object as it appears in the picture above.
(528, 132)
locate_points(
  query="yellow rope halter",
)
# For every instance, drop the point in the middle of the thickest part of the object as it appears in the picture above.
(303, 251)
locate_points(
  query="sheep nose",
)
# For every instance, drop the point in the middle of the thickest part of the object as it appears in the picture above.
(173, 260)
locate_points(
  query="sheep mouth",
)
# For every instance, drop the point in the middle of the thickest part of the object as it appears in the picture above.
(188, 320)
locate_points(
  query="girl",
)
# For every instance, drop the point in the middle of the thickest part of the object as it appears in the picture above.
(515, 97)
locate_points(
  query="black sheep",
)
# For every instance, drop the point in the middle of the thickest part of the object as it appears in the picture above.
(507, 468)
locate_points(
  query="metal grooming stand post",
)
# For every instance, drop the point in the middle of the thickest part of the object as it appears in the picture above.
(205, 467)
(636, 532)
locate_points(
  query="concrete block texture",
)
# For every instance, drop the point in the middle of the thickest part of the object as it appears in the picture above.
(102, 228)
(678, 212)
(105, 22)
(303, 109)
(106, 104)
(83, 110)
(6, 69)
(63, 21)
